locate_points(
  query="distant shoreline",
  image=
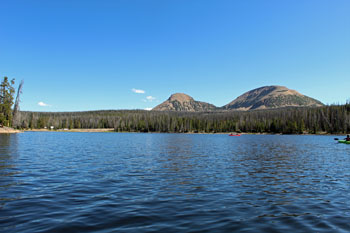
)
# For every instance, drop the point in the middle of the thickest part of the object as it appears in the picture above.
(111, 130)
(73, 130)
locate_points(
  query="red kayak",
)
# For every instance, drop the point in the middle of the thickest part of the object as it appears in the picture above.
(234, 134)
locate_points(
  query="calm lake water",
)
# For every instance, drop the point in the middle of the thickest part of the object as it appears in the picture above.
(129, 182)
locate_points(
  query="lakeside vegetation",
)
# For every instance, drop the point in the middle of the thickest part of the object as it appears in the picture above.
(327, 119)
(9, 106)
(6, 101)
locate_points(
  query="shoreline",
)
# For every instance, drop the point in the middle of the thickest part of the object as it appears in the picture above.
(72, 130)
(8, 130)
(111, 130)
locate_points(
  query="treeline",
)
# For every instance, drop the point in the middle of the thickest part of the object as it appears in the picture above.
(327, 119)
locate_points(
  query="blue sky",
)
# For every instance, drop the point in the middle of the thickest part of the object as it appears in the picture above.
(88, 55)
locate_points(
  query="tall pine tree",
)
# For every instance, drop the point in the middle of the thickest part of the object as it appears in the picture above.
(7, 92)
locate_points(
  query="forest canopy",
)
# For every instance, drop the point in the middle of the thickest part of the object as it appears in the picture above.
(326, 119)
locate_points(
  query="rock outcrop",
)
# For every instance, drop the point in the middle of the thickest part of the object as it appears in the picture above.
(183, 102)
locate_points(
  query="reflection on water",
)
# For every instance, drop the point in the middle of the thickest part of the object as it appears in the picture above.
(8, 152)
(8, 143)
(8, 170)
(78, 182)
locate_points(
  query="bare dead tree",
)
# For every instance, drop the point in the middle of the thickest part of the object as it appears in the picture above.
(326, 120)
(16, 111)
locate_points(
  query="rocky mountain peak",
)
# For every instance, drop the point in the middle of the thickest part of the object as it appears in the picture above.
(183, 102)
(180, 97)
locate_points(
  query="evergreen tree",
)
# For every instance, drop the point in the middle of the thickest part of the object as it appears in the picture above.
(7, 92)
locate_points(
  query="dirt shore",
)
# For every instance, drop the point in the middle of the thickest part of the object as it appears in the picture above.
(9, 130)
(72, 130)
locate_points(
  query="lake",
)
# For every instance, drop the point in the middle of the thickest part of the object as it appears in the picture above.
(134, 182)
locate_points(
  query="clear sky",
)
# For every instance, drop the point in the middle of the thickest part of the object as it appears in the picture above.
(89, 55)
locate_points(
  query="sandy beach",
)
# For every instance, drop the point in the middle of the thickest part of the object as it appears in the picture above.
(73, 130)
(9, 130)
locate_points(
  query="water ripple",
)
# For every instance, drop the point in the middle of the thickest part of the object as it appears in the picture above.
(105, 182)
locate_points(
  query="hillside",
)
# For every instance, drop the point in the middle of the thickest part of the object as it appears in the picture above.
(269, 97)
(183, 102)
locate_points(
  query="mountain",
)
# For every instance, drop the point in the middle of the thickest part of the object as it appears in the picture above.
(271, 97)
(183, 102)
